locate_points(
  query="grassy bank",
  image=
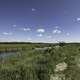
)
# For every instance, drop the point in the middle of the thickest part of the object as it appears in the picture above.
(19, 46)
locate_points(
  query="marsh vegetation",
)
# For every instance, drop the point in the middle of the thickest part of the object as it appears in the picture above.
(53, 63)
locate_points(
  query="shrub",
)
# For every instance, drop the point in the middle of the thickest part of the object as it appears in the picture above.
(62, 44)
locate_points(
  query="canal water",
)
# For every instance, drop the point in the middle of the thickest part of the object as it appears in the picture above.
(6, 54)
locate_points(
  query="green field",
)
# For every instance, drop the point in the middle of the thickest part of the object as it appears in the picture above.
(35, 62)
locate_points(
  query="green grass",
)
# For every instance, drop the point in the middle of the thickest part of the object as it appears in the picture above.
(33, 64)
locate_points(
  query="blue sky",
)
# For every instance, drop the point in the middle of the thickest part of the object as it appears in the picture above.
(40, 20)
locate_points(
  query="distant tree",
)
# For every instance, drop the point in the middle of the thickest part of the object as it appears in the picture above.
(62, 44)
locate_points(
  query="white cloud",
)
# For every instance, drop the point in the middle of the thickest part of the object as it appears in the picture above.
(41, 30)
(67, 34)
(14, 25)
(33, 9)
(40, 35)
(56, 31)
(78, 19)
(7, 33)
(26, 29)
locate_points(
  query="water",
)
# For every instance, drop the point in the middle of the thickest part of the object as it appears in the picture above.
(6, 54)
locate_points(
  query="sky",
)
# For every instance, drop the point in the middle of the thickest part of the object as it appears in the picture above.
(40, 20)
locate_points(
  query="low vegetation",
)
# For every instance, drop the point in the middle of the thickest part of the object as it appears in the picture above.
(55, 63)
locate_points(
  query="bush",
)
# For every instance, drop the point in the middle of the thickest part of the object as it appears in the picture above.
(62, 44)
